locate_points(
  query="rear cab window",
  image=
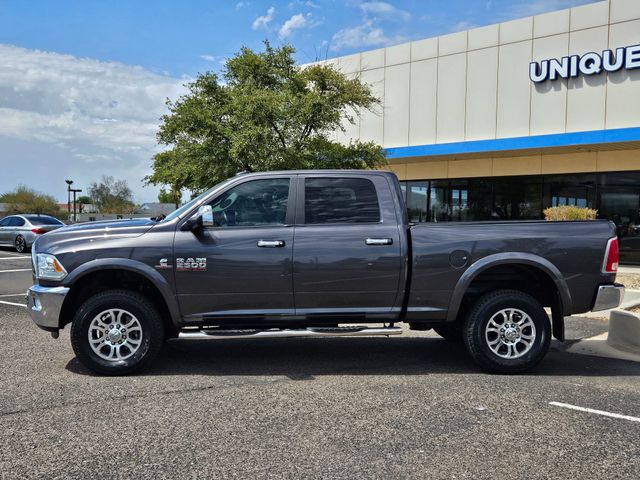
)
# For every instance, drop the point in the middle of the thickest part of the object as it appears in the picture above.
(330, 200)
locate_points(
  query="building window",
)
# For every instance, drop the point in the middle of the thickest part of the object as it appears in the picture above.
(615, 195)
(418, 201)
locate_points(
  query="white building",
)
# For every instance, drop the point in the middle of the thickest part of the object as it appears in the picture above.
(476, 130)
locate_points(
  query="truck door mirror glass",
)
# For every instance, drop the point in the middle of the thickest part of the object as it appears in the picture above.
(205, 216)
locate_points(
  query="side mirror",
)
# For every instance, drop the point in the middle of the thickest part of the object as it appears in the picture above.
(205, 216)
(202, 219)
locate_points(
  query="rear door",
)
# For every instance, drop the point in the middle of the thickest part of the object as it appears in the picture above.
(347, 256)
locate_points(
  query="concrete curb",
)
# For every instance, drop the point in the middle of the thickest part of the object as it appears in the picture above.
(624, 331)
(621, 342)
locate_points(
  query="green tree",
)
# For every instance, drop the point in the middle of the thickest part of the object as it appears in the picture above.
(170, 196)
(27, 200)
(81, 201)
(265, 113)
(111, 195)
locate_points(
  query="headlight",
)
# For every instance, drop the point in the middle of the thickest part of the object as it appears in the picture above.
(49, 268)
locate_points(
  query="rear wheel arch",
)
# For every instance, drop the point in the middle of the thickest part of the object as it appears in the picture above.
(527, 273)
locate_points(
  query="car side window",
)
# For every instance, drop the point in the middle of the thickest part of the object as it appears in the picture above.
(253, 203)
(340, 200)
(16, 222)
(5, 222)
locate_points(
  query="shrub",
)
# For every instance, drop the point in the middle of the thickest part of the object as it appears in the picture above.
(569, 212)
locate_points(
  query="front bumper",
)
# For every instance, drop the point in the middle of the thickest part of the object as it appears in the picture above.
(44, 305)
(608, 296)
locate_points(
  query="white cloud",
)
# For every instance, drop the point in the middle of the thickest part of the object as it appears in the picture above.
(66, 116)
(364, 35)
(264, 20)
(208, 58)
(384, 9)
(296, 22)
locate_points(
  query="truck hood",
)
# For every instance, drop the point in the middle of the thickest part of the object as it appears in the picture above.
(91, 231)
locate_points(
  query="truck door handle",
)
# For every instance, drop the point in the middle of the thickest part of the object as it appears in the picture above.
(379, 241)
(271, 243)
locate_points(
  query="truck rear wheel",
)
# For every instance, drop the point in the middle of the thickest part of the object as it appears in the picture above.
(116, 332)
(507, 331)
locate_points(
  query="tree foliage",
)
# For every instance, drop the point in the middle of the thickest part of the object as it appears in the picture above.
(265, 113)
(170, 196)
(27, 200)
(111, 195)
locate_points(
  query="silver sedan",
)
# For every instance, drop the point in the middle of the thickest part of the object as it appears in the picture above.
(20, 231)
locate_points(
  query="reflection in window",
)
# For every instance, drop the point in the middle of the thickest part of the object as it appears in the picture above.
(253, 203)
(340, 200)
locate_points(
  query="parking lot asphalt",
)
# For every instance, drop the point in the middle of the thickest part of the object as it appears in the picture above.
(413, 406)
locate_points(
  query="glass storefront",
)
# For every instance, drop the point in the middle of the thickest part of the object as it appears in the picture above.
(616, 196)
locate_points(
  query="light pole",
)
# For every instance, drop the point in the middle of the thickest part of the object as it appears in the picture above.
(75, 190)
(69, 183)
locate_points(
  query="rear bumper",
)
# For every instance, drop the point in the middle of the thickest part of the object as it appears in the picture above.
(44, 305)
(608, 296)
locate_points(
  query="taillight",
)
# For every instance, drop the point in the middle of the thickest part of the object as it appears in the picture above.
(38, 231)
(611, 256)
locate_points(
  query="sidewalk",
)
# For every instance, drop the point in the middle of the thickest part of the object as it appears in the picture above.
(629, 270)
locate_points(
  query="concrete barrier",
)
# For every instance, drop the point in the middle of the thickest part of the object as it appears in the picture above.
(624, 331)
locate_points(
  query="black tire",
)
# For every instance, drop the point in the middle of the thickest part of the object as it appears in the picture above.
(451, 333)
(477, 338)
(136, 305)
(20, 244)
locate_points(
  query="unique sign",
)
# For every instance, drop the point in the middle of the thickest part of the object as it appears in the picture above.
(591, 63)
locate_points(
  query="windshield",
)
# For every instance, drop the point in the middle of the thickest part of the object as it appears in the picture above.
(187, 206)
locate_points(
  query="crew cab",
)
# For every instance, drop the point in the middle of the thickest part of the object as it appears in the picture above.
(316, 253)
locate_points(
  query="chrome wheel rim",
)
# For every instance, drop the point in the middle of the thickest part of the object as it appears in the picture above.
(510, 333)
(115, 335)
(20, 244)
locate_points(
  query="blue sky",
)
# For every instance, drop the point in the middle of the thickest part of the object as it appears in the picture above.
(83, 83)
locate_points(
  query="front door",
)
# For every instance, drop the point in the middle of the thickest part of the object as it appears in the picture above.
(347, 253)
(241, 267)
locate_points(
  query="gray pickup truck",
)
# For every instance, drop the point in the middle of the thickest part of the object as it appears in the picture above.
(317, 253)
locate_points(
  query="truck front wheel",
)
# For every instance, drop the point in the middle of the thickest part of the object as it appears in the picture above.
(116, 332)
(507, 331)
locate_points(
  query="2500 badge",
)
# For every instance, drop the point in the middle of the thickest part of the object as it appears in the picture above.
(198, 264)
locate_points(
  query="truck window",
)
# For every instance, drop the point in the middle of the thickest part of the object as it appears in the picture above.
(253, 203)
(340, 200)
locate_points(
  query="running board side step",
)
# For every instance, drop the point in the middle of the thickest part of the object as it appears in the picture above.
(288, 332)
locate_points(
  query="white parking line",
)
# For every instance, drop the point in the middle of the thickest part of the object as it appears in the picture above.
(16, 270)
(597, 412)
(17, 257)
(12, 303)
